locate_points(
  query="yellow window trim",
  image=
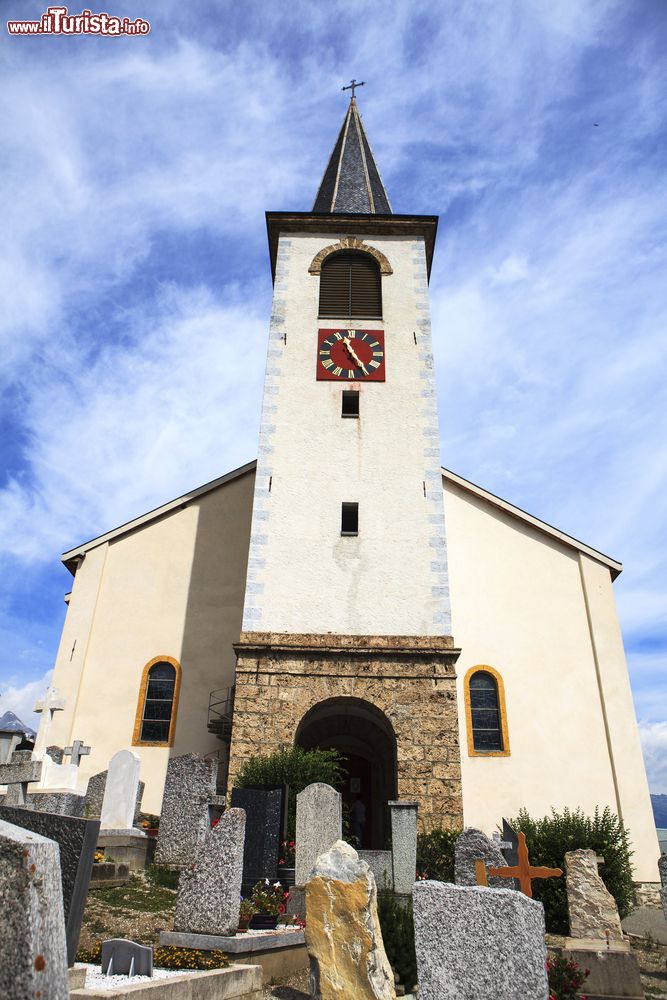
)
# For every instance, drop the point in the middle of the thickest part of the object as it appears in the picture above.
(484, 668)
(136, 738)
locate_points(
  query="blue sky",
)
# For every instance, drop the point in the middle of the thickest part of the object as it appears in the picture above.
(136, 288)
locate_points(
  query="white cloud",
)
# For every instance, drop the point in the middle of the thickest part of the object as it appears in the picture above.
(21, 699)
(654, 744)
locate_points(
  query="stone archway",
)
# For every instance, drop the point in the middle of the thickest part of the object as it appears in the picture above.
(365, 738)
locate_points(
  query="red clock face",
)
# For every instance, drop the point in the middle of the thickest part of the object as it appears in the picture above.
(347, 355)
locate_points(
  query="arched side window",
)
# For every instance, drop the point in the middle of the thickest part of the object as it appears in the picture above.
(350, 286)
(157, 706)
(486, 718)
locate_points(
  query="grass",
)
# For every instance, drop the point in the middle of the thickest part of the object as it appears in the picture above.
(140, 893)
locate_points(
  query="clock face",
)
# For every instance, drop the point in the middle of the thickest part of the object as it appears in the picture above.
(348, 355)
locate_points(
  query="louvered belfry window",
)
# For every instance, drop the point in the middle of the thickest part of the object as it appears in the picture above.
(350, 286)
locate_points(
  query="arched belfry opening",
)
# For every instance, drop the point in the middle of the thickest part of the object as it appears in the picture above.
(365, 738)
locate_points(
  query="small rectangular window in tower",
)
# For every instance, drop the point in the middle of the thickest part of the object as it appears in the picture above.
(349, 519)
(350, 403)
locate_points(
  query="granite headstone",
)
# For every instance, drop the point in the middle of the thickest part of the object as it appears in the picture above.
(263, 810)
(662, 869)
(33, 956)
(404, 845)
(471, 846)
(185, 819)
(76, 839)
(471, 942)
(209, 892)
(319, 824)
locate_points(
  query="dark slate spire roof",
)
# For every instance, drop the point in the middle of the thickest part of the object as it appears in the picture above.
(352, 182)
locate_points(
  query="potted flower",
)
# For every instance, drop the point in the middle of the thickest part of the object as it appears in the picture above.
(150, 824)
(269, 902)
(286, 862)
(247, 911)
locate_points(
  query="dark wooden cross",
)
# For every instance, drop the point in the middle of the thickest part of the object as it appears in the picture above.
(77, 751)
(353, 86)
(523, 871)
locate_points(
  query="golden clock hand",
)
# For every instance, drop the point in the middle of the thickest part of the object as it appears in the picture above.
(346, 341)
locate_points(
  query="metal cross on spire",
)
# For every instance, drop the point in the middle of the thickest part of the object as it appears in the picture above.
(353, 86)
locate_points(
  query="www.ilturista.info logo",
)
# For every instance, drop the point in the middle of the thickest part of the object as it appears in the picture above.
(57, 21)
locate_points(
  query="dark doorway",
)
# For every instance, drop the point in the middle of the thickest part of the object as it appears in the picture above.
(365, 738)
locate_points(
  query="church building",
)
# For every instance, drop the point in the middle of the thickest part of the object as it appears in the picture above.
(344, 590)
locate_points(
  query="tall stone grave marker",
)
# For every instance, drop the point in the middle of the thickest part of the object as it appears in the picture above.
(481, 943)
(345, 947)
(95, 796)
(17, 775)
(185, 820)
(404, 845)
(472, 846)
(33, 956)
(592, 908)
(319, 824)
(76, 840)
(209, 893)
(263, 810)
(120, 793)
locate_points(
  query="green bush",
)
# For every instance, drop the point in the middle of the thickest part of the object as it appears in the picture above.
(295, 767)
(549, 839)
(435, 855)
(398, 934)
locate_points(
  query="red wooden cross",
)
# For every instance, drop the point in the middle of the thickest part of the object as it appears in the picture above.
(523, 871)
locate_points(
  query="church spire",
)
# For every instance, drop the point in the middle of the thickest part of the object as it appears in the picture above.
(352, 182)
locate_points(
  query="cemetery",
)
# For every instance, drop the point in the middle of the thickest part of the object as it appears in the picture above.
(233, 896)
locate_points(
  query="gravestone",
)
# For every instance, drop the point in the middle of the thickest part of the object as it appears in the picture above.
(404, 845)
(209, 892)
(76, 839)
(591, 907)
(263, 811)
(17, 775)
(185, 820)
(120, 793)
(92, 808)
(76, 752)
(481, 943)
(662, 869)
(319, 824)
(345, 947)
(33, 956)
(471, 846)
(121, 957)
(382, 866)
(510, 840)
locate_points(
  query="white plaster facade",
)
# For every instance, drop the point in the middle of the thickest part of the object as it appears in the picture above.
(303, 576)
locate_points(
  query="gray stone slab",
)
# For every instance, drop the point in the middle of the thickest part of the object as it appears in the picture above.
(263, 809)
(59, 803)
(76, 839)
(662, 868)
(647, 920)
(122, 957)
(473, 845)
(120, 792)
(404, 845)
(189, 790)
(33, 956)
(319, 824)
(611, 974)
(478, 944)
(380, 863)
(241, 944)
(209, 893)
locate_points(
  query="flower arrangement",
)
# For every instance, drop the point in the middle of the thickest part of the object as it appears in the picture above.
(565, 978)
(247, 909)
(287, 854)
(99, 858)
(269, 898)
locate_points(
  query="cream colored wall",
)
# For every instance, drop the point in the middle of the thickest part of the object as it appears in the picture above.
(518, 606)
(304, 576)
(171, 588)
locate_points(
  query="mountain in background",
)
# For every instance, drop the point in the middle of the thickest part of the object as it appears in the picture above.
(659, 803)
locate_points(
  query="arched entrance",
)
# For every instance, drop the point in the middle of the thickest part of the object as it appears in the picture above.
(365, 738)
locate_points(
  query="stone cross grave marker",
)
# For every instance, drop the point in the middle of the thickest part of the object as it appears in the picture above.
(18, 774)
(47, 707)
(76, 752)
(120, 792)
(77, 839)
(33, 956)
(523, 871)
(319, 824)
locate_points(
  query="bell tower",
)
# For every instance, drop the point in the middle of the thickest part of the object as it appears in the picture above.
(346, 636)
